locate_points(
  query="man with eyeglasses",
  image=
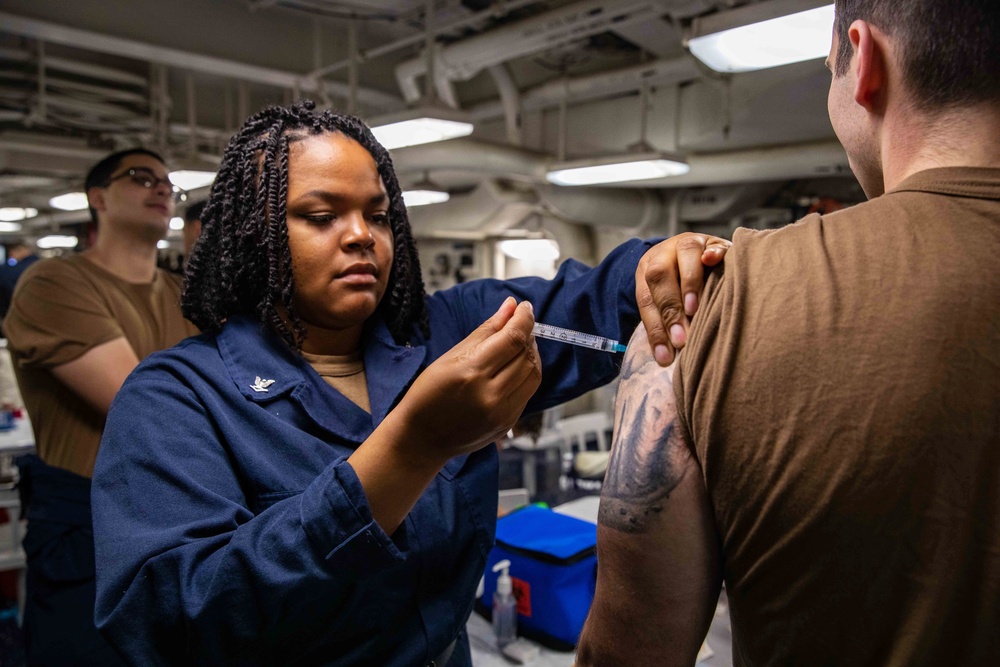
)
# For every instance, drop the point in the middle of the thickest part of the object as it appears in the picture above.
(76, 328)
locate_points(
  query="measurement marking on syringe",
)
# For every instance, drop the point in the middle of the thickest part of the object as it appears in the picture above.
(576, 338)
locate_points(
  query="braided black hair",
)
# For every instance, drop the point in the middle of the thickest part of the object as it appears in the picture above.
(241, 264)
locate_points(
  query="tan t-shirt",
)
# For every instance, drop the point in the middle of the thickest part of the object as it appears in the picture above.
(61, 309)
(841, 388)
(345, 373)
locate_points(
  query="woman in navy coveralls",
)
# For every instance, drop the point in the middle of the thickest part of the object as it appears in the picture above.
(245, 512)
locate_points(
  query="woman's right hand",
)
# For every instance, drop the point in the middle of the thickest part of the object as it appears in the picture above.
(475, 392)
(466, 399)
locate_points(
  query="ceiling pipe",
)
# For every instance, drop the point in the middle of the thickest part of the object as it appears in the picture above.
(94, 109)
(464, 59)
(469, 155)
(50, 222)
(68, 168)
(510, 100)
(445, 90)
(809, 160)
(490, 209)
(775, 163)
(108, 93)
(626, 79)
(92, 41)
(95, 71)
(608, 207)
(26, 143)
(75, 67)
(496, 10)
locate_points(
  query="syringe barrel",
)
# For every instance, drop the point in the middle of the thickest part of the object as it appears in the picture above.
(573, 337)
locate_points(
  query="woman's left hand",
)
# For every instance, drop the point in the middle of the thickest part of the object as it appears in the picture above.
(668, 285)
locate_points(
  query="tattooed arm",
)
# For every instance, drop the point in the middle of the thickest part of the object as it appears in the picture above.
(658, 574)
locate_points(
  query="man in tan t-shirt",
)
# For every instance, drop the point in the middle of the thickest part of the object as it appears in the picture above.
(76, 328)
(828, 443)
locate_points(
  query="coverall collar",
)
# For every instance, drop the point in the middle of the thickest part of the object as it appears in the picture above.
(265, 369)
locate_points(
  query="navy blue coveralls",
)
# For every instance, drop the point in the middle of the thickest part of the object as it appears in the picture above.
(230, 529)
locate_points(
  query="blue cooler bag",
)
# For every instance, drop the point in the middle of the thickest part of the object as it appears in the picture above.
(553, 564)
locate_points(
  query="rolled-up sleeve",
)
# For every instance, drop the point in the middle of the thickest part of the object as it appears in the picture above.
(354, 539)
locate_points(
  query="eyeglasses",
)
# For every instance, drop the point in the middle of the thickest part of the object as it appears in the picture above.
(147, 179)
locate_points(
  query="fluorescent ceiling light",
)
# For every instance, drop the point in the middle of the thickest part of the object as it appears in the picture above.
(176, 223)
(531, 250)
(10, 226)
(617, 169)
(71, 201)
(413, 198)
(191, 180)
(57, 241)
(422, 125)
(15, 214)
(766, 34)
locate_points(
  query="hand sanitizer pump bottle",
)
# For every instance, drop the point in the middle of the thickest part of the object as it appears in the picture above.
(504, 606)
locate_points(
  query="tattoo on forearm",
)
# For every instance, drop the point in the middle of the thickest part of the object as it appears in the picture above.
(648, 454)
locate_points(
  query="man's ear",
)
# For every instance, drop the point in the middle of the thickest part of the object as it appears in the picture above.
(95, 197)
(869, 64)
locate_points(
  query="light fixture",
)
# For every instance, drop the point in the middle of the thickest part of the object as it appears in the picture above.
(424, 197)
(10, 226)
(617, 169)
(176, 223)
(57, 241)
(420, 125)
(424, 192)
(640, 162)
(187, 179)
(163, 244)
(531, 250)
(762, 35)
(71, 201)
(15, 214)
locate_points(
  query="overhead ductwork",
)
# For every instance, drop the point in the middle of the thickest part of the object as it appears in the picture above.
(47, 222)
(606, 207)
(48, 145)
(489, 210)
(721, 202)
(510, 102)
(464, 59)
(595, 86)
(737, 181)
(89, 70)
(808, 160)
(118, 46)
(475, 157)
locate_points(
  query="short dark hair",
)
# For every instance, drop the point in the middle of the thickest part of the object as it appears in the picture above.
(242, 264)
(100, 173)
(949, 49)
(194, 211)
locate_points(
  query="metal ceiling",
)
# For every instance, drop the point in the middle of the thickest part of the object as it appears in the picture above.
(79, 78)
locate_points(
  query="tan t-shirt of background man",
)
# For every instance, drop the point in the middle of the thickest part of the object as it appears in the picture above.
(61, 309)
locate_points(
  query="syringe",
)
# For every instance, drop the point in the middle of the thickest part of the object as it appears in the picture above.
(576, 338)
